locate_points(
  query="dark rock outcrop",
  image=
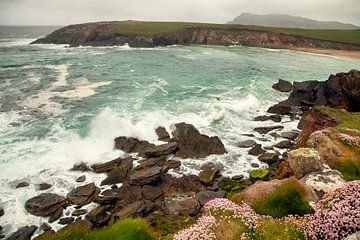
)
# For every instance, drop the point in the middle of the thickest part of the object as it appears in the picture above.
(106, 167)
(256, 150)
(265, 130)
(82, 167)
(269, 158)
(208, 173)
(23, 233)
(145, 176)
(45, 204)
(162, 134)
(83, 195)
(22, 184)
(274, 118)
(246, 144)
(282, 86)
(185, 207)
(132, 145)
(119, 173)
(2, 212)
(44, 186)
(66, 220)
(162, 150)
(99, 216)
(82, 178)
(206, 195)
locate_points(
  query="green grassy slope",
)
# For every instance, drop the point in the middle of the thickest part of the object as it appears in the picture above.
(157, 28)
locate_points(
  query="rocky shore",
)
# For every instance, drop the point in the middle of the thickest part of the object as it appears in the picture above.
(313, 160)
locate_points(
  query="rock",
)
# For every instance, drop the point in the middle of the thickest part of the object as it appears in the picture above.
(284, 144)
(45, 227)
(2, 212)
(66, 220)
(79, 212)
(246, 144)
(256, 150)
(120, 173)
(261, 190)
(171, 164)
(282, 86)
(145, 176)
(23, 233)
(259, 174)
(280, 108)
(107, 166)
(162, 150)
(208, 173)
(324, 181)
(56, 215)
(255, 165)
(292, 135)
(83, 195)
(82, 167)
(264, 130)
(99, 216)
(274, 118)
(45, 204)
(284, 171)
(44, 186)
(151, 193)
(206, 195)
(106, 200)
(354, 236)
(269, 158)
(237, 177)
(188, 207)
(22, 184)
(192, 144)
(82, 178)
(185, 185)
(132, 145)
(136, 209)
(151, 162)
(162, 134)
(304, 160)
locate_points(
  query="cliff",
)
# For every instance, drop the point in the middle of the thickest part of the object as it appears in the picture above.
(152, 34)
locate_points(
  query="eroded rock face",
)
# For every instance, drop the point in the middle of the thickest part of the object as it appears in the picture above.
(23, 233)
(305, 160)
(107, 166)
(265, 130)
(99, 216)
(182, 207)
(162, 150)
(119, 173)
(83, 195)
(162, 134)
(282, 86)
(136, 209)
(45, 204)
(145, 176)
(132, 145)
(185, 185)
(192, 144)
(209, 172)
(207, 195)
(256, 150)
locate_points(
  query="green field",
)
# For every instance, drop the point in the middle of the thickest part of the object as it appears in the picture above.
(158, 28)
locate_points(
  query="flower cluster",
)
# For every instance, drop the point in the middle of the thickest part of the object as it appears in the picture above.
(317, 136)
(349, 140)
(202, 229)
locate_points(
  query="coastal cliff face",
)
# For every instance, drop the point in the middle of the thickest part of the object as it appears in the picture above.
(105, 34)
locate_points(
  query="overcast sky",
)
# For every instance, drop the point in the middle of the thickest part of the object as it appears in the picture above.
(63, 12)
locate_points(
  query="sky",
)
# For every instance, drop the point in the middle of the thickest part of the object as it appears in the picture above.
(63, 12)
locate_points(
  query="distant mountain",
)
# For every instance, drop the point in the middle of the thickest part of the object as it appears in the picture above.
(287, 21)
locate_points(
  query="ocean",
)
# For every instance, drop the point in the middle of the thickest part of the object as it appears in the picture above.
(60, 106)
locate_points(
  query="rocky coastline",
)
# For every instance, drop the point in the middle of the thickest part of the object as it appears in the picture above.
(139, 185)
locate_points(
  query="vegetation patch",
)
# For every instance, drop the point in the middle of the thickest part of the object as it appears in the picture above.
(259, 174)
(271, 229)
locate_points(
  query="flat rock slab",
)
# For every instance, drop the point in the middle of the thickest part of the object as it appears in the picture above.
(265, 130)
(145, 176)
(292, 135)
(187, 207)
(269, 158)
(286, 144)
(106, 167)
(83, 195)
(119, 173)
(206, 195)
(132, 145)
(256, 150)
(99, 216)
(305, 160)
(23, 233)
(45, 204)
(162, 134)
(162, 150)
(283, 86)
(246, 144)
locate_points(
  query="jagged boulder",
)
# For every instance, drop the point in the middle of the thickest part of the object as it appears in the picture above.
(107, 166)
(119, 173)
(132, 145)
(162, 134)
(145, 176)
(282, 86)
(45, 204)
(305, 160)
(162, 150)
(23, 233)
(83, 195)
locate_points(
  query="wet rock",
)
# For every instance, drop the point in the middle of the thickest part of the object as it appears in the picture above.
(82, 178)
(284, 171)
(259, 174)
(79, 212)
(171, 164)
(256, 150)
(237, 177)
(162, 150)
(2, 212)
(151, 192)
(255, 165)
(264, 130)
(269, 148)
(274, 118)
(145, 176)
(192, 144)
(269, 158)
(45, 227)
(132, 145)
(99, 216)
(188, 207)
(206, 195)
(45, 204)
(82, 167)
(106, 167)
(44, 186)
(185, 185)
(22, 184)
(162, 134)
(305, 160)
(151, 162)
(106, 200)
(209, 172)
(56, 215)
(283, 86)
(246, 144)
(66, 220)
(136, 209)
(292, 135)
(83, 195)
(284, 144)
(120, 173)
(23, 233)
(280, 108)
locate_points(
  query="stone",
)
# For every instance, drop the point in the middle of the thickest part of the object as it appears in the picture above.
(82, 178)
(83, 195)
(292, 135)
(45, 204)
(192, 144)
(354, 236)
(45, 227)
(162, 134)
(256, 150)
(206, 195)
(151, 162)
(23, 233)
(170, 164)
(280, 108)
(324, 181)
(79, 212)
(265, 130)
(145, 176)
(22, 184)
(2, 212)
(269, 158)
(106, 167)
(304, 160)
(185, 185)
(151, 193)
(274, 118)
(66, 220)
(106, 200)
(99, 216)
(246, 144)
(259, 174)
(44, 186)
(254, 165)
(284, 170)
(284, 144)
(187, 207)
(82, 167)
(283, 86)
(119, 173)
(56, 215)
(208, 173)
(162, 150)
(237, 177)
(136, 209)
(132, 145)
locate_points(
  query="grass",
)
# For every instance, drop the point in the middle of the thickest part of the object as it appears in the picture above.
(344, 119)
(158, 28)
(285, 200)
(270, 229)
(126, 229)
(350, 169)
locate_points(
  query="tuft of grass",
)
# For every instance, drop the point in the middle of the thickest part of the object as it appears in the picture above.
(285, 200)
(344, 119)
(349, 168)
(271, 229)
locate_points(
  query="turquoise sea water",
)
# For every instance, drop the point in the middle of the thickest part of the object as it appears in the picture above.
(60, 106)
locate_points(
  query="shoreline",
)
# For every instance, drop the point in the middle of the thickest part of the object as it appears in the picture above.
(329, 52)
